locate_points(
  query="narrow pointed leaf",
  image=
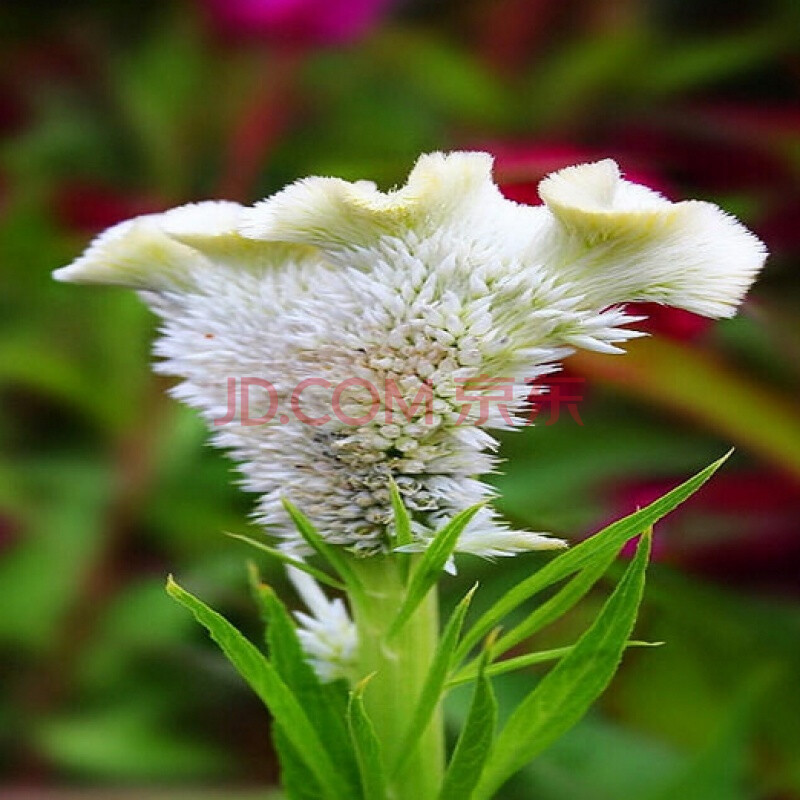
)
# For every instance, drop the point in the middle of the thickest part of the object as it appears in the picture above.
(432, 690)
(285, 558)
(564, 695)
(470, 673)
(402, 525)
(430, 566)
(553, 608)
(474, 743)
(324, 704)
(296, 781)
(330, 553)
(263, 678)
(556, 606)
(367, 747)
(589, 551)
(402, 522)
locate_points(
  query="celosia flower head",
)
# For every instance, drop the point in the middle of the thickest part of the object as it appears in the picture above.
(432, 287)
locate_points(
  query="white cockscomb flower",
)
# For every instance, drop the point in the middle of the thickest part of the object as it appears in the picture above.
(328, 635)
(346, 305)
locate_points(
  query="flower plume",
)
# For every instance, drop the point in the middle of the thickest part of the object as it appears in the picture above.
(432, 292)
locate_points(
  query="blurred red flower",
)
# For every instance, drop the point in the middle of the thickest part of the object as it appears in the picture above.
(296, 21)
(91, 207)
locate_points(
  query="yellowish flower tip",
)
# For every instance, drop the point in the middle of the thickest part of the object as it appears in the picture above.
(136, 253)
(177, 249)
(689, 254)
(361, 686)
(333, 212)
(147, 252)
(597, 188)
(490, 640)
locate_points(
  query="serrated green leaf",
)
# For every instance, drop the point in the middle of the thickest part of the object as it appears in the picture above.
(590, 551)
(474, 743)
(430, 566)
(325, 704)
(331, 554)
(263, 678)
(564, 695)
(284, 558)
(366, 746)
(432, 689)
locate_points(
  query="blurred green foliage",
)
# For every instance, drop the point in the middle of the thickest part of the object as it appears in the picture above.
(106, 485)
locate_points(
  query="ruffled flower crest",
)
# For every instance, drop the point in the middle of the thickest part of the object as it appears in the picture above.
(623, 243)
(435, 284)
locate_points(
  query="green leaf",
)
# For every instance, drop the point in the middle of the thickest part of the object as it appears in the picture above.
(402, 521)
(295, 778)
(431, 565)
(470, 673)
(564, 695)
(367, 747)
(263, 678)
(325, 704)
(402, 525)
(431, 693)
(590, 551)
(474, 743)
(553, 608)
(332, 555)
(284, 558)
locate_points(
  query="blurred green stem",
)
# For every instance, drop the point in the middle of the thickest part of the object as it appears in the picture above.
(398, 669)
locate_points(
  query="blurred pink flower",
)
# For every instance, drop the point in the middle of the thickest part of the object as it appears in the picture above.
(296, 21)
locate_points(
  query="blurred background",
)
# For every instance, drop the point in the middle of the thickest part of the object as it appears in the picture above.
(110, 108)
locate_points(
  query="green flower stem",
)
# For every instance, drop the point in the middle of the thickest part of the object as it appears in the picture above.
(398, 669)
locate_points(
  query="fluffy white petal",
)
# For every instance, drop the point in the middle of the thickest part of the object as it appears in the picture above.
(452, 191)
(137, 254)
(621, 242)
(172, 251)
